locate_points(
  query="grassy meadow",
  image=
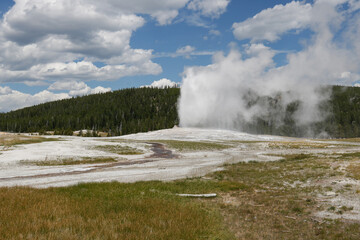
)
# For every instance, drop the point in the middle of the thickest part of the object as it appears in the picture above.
(145, 210)
(256, 200)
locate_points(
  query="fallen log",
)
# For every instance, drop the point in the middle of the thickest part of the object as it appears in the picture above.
(209, 195)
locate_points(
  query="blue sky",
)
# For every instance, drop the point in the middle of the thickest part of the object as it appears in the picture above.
(170, 38)
(61, 49)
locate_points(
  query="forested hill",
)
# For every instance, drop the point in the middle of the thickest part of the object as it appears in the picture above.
(344, 120)
(147, 109)
(119, 112)
(341, 111)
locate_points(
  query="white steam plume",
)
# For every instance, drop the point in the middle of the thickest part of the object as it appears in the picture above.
(230, 92)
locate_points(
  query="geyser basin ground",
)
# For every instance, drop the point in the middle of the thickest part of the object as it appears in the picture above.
(293, 184)
(58, 163)
(189, 152)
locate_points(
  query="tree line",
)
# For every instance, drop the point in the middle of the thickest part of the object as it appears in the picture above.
(146, 109)
(340, 116)
(117, 113)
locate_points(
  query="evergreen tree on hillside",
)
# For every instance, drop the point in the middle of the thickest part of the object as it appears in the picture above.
(119, 112)
(146, 109)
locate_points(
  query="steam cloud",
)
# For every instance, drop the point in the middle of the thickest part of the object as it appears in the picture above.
(245, 84)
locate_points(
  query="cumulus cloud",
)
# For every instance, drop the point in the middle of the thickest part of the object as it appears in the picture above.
(209, 8)
(162, 83)
(349, 78)
(76, 88)
(185, 50)
(83, 70)
(355, 4)
(215, 32)
(44, 40)
(51, 40)
(218, 95)
(12, 99)
(163, 11)
(70, 85)
(87, 91)
(271, 23)
(5, 90)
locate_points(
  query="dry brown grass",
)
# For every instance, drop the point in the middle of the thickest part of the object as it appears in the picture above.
(356, 140)
(297, 145)
(280, 203)
(281, 215)
(354, 170)
(188, 146)
(8, 140)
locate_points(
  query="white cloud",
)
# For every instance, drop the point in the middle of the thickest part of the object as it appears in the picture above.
(12, 100)
(185, 51)
(5, 90)
(215, 32)
(44, 39)
(70, 85)
(209, 8)
(165, 17)
(87, 91)
(164, 11)
(355, 4)
(162, 83)
(348, 78)
(271, 23)
(100, 89)
(76, 88)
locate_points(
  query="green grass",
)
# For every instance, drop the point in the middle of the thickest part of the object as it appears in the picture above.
(70, 161)
(186, 146)
(108, 211)
(119, 149)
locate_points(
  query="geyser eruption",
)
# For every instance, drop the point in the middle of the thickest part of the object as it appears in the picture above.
(245, 90)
